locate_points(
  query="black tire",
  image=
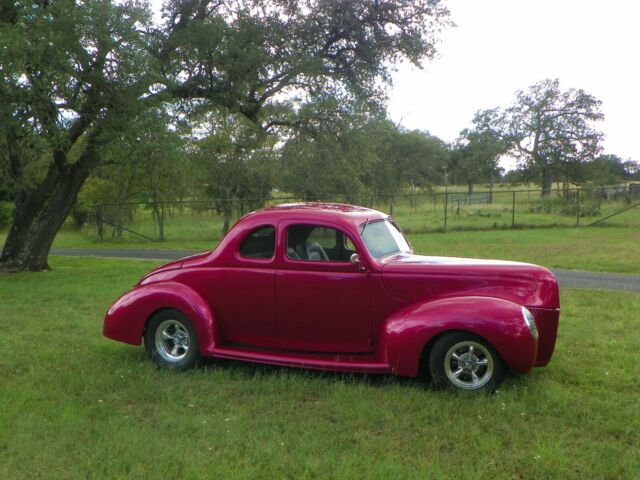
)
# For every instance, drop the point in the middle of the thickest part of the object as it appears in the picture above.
(171, 340)
(462, 361)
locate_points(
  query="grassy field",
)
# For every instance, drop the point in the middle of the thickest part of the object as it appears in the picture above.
(612, 249)
(194, 221)
(604, 249)
(419, 214)
(75, 405)
(479, 230)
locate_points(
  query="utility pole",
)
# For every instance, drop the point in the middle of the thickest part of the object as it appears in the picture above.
(446, 183)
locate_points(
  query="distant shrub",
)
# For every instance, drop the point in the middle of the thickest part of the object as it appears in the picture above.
(564, 206)
(588, 210)
(480, 213)
(545, 205)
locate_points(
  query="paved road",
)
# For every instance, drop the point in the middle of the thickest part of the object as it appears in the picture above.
(566, 278)
(122, 253)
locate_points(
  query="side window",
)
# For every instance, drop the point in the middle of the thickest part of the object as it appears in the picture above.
(316, 244)
(325, 237)
(261, 243)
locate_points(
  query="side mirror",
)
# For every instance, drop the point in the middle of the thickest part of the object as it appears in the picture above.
(355, 260)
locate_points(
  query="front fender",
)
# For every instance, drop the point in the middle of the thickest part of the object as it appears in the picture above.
(404, 335)
(126, 318)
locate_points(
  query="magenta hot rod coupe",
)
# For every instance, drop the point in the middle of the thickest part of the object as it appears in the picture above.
(337, 287)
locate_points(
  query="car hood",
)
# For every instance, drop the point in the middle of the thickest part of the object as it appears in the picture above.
(413, 259)
(415, 277)
(177, 264)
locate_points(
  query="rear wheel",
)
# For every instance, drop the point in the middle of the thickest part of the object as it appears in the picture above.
(464, 361)
(171, 341)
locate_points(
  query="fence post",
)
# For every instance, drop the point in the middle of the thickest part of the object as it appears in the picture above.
(513, 210)
(578, 208)
(161, 221)
(446, 204)
(98, 226)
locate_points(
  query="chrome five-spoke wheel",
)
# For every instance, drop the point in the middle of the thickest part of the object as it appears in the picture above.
(468, 365)
(464, 361)
(171, 340)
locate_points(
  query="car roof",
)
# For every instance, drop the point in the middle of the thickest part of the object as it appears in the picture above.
(341, 213)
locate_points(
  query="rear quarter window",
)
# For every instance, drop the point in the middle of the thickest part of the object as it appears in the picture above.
(260, 243)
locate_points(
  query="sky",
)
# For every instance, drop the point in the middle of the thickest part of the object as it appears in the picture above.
(501, 46)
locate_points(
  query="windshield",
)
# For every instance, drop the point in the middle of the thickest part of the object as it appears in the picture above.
(383, 238)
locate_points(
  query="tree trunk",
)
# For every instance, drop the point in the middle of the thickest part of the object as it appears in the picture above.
(469, 187)
(227, 213)
(117, 230)
(158, 219)
(490, 189)
(547, 182)
(40, 213)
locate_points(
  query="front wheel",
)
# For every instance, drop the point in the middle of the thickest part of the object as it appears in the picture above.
(464, 361)
(171, 341)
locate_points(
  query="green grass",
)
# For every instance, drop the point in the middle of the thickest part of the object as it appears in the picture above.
(425, 215)
(603, 249)
(76, 405)
(481, 230)
(420, 213)
(599, 249)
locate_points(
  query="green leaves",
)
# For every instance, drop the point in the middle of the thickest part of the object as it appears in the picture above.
(549, 129)
(476, 155)
(550, 125)
(68, 66)
(246, 55)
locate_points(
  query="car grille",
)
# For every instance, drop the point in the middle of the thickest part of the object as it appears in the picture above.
(547, 323)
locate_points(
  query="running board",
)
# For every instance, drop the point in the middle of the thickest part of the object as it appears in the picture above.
(334, 363)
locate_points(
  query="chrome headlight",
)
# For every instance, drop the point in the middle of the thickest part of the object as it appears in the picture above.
(530, 321)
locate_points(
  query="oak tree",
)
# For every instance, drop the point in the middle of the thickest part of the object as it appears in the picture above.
(74, 72)
(548, 128)
(72, 75)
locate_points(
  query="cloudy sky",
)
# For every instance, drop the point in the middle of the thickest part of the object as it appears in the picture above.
(500, 46)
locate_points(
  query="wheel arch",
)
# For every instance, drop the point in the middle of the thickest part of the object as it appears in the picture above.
(127, 319)
(153, 314)
(407, 337)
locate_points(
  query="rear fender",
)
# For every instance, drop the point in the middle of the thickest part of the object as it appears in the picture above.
(405, 334)
(127, 317)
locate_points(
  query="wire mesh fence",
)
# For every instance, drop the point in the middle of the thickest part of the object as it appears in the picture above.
(416, 212)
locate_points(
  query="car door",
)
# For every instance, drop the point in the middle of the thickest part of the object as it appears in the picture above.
(323, 301)
(243, 294)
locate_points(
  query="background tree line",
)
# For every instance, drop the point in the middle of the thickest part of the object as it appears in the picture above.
(239, 101)
(336, 153)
